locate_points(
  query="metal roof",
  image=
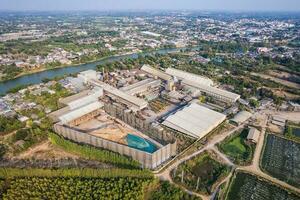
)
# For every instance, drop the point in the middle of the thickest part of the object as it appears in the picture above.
(74, 114)
(253, 134)
(91, 97)
(194, 120)
(189, 76)
(156, 72)
(241, 117)
(223, 94)
(140, 103)
(141, 86)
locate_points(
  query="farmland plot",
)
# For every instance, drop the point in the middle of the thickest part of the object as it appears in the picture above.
(281, 159)
(247, 186)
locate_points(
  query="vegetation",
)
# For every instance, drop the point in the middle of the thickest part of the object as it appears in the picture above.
(200, 174)
(74, 172)
(237, 148)
(49, 100)
(90, 152)
(8, 125)
(75, 188)
(27, 138)
(73, 183)
(281, 159)
(247, 186)
(293, 131)
(165, 191)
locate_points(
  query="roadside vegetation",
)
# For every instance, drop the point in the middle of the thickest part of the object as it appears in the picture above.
(163, 190)
(237, 148)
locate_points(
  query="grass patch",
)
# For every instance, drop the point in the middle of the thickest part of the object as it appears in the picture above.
(292, 131)
(237, 148)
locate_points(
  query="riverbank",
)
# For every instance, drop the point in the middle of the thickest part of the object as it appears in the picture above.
(38, 77)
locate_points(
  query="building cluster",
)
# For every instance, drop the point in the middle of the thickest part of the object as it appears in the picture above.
(122, 105)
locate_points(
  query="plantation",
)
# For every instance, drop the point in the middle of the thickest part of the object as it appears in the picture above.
(247, 186)
(281, 159)
(93, 153)
(237, 148)
(200, 173)
(75, 188)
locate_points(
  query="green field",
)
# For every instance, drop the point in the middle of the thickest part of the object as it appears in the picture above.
(293, 131)
(245, 186)
(200, 173)
(281, 159)
(237, 149)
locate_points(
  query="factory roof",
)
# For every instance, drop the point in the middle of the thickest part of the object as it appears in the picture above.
(74, 97)
(74, 114)
(89, 98)
(140, 86)
(140, 103)
(213, 90)
(194, 120)
(156, 72)
(253, 135)
(189, 76)
(241, 117)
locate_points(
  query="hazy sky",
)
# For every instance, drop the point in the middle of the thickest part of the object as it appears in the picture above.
(241, 5)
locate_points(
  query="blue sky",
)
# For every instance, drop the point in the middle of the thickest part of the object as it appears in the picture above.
(233, 5)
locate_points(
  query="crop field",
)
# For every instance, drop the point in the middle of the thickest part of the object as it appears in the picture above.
(236, 147)
(281, 159)
(247, 186)
(200, 173)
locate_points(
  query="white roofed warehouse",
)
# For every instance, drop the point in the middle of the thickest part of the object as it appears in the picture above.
(241, 117)
(182, 75)
(194, 120)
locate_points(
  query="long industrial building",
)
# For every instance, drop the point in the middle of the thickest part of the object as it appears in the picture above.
(220, 94)
(194, 120)
(156, 73)
(133, 102)
(191, 80)
(182, 75)
(141, 86)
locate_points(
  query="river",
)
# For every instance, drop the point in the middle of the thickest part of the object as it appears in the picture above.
(38, 77)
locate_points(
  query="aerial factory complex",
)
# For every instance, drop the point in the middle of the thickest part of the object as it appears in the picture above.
(119, 118)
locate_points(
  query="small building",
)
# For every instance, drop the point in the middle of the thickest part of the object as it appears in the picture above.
(241, 117)
(253, 135)
(279, 121)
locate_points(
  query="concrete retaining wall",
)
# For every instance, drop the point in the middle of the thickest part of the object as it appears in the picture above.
(147, 160)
